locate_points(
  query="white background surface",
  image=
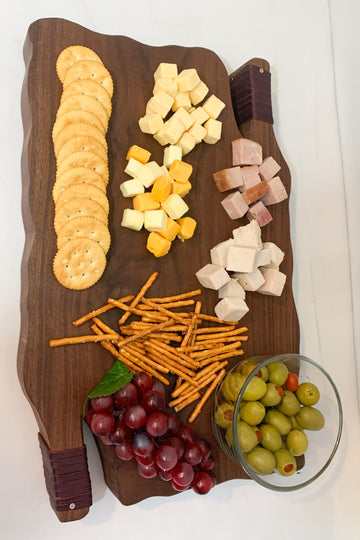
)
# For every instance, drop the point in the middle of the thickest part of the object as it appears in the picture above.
(313, 48)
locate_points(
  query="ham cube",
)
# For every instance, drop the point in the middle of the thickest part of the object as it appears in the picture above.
(219, 252)
(276, 255)
(269, 168)
(248, 235)
(212, 276)
(276, 192)
(256, 192)
(235, 205)
(259, 212)
(232, 289)
(231, 309)
(274, 282)
(241, 259)
(250, 176)
(250, 281)
(228, 179)
(246, 152)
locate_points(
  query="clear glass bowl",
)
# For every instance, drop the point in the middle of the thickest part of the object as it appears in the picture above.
(322, 443)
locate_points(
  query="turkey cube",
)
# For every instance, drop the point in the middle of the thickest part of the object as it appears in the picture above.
(231, 309)
(231, 289)
(235, 205)
(219, 253)
(198, 93)
(212, 276)
(250, 176)
(274, 282)
(246, 152)
(263, 257)
(260, 213)
(248, 235)
(166, 70)
(213, 106)
(276, 255)
(241, 259)
(230, 178)
(269, 168)
(250, 281)
(276, 192)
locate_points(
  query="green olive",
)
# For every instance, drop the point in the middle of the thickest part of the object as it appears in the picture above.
(247, 367)
(252, 412)
(247, 436)
(308, 393)
(297, 442)
(294, 423)
(263, 373)
(261, 460)
(224, 415)
(229, 436)
(232, 386)
(285, 462)
(254, 390)
(272, 396)
(310, 418)
(289, 404)
(279, 420)
(278, 373)
(270, 437)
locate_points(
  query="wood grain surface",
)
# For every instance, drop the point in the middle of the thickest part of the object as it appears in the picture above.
(56, 381)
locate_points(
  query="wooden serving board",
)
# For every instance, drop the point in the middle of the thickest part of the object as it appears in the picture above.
(56, 381)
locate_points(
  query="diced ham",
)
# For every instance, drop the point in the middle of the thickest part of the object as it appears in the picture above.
(276, 192)
(235, 205)
(231, 309)
(269, 168)
(274, 282)
(256, 192)
(228, 179)
(212, 276)
(246, 152)
(218, 253)
(250, 176)
(259, 212)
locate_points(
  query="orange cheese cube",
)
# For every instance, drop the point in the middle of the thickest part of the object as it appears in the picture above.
(138, 153)
(187, 228)
(181, 188)
(157, 244)
(180, 171)
(171, 230)
(144, 201)
(161, 189)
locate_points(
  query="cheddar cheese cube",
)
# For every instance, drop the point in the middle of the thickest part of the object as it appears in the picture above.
(180, 171)
(198, 93)
(181, 99)
(157, 244)
(138, 153)
(181, 188)
(213, 106)
(149, 173)
(161, 103)
(174, 206)
(166, 85)
(213, 131)
(198, 132)
(171, 153)
(187, 228)
(155, 220)
(166, 71)
(133, 167)
(130, 188)
(187, 143)
(132, 219)
(151, 123)
(199, 115)
(171, 230)
(161, 189)
(187, 80)
(144, 201)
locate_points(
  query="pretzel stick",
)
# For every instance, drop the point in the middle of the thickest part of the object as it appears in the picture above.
(157, 318)
(201, 355)
(156, 347)
(206, 396)
(214, 341)
(101, 310)
(139, 296)
(194, 318)
(189, 400)
(155, 327)
(129, 309)
(167, 305)
(173, 367)
(205, 382)
(204, 345)
(178, 357)
(141, 356)
(177, 296)
(104, 327)
(215, 319)
(208, 337)
(231, 354)
(212, 329)
(164, 311)
(213, 368)
(143, 365)
(82, 339)
(108, 346)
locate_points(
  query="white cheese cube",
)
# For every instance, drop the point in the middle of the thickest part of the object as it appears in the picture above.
(187, 143)
(263, 257)
(276, 255)
(231, 309)
(171, 153)
(175, 206)
(151, 123)
(161, 103)
(213, 131)
(149, 173)
(181, 99)
(198, 132)
(232, 289)
(132, 219)
(173, 130)
(184, 117)
(155, 220)
(160, 136)
(219, 253)
(199, 115)
(165, 172)
(212, 276)
(198, 93)
(248, 235)
(241, 259)
(213, 106)
(166, 70)
(187, 80)
(166, 85)
(250, 281)
(274, 282)
(133, 167)
(130, 188)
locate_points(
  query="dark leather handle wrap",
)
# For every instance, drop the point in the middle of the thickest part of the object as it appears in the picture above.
(251, 94)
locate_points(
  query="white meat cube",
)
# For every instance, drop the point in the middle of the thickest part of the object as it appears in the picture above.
(274, 282)
(232, 289)
(241, 259)
(231, 309)
(248, 235)
(250, 281)
(276, 255)
(263, 257)
(212, 276)
(219, 252)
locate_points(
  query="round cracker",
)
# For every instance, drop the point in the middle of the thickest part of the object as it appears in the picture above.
(90, 69)
(79, 175)
(83, 191)
(85, 103)
(88, 87)
(85, 159)
(81, 143)
(79, 263)
(72, 117)
(87, 227)
(71, 55)
(76, 208)
(75, 130)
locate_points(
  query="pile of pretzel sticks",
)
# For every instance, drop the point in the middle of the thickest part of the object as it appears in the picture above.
(191, 345)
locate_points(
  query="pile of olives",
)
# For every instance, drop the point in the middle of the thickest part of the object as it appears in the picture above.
(273, 414)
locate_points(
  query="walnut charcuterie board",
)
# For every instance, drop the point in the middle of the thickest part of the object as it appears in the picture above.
(57, 381)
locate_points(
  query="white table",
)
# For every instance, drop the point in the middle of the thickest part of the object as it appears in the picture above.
(313, 48)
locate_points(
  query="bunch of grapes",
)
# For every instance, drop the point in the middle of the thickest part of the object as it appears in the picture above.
(135, 421)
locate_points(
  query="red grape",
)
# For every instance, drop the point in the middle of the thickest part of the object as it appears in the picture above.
(146, 460)
(192, 453)
(127, 395)
(177, 487)
(173, 425)
(102, 403)
(176, 443)
(106, 440)
(152, 401)
(142, 381)
(158, 387)
(186, 434)
(165, 475)
(156, 424)
(102, 423)
(213, 478)
(135, 416)
(183, 473)
(202, 483)
(121, 433)
(124, 451)
(143, 444)
(205, 448)
(89, 416)
(208, 463)
(147, 471)
(166, 458)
